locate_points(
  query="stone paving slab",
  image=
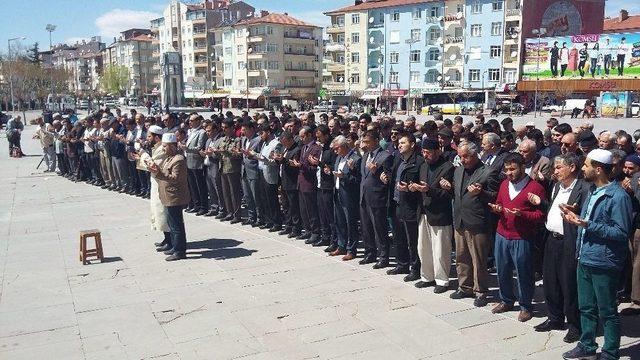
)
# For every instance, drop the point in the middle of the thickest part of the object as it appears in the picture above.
(243, 293)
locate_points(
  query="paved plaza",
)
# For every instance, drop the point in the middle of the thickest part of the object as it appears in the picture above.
(242, 293)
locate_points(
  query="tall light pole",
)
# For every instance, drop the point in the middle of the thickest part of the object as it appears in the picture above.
(538, 32)
(246, 66)
(51, 28)
(410, 42)
(10, 70)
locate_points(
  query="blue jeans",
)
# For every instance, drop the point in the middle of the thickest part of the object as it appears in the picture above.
(518, 255)
(176, 226)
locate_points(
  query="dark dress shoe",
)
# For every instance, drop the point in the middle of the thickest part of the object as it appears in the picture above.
(312, 239)
(411, 277)
(424, 284)
(294, 234)
(236, 221)
(572, 336)
(321, 242)
(459, 294)
(164, 248)
(248, 222)
(265, 226)
(502, 308)
(221, 215)
(304, 236)
(367, 260)
(257, 224)
(348, 257)
(169, 252)
(398, 270)
(480, 301)
(285, 231)
(549, 325)
(275, 228)
(227, 218)
(579, 352)
(381, 264)
(201, 212)
(176, 256)
(161, 243)
(630, 311)
(439, 289)
(191, 210)
(211, 213)
(331, 248)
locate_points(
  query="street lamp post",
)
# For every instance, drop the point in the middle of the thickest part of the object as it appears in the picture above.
(246, 67)
(51, 28)
(410, 42)
(538, 32)
(10, 70)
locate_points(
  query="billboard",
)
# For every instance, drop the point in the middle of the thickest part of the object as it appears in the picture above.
(614, 104)
(567, 57)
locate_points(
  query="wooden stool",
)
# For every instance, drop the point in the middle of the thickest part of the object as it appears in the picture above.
(97, 252)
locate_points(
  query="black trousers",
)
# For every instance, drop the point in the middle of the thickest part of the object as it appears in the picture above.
(563, 69)
(581, 66)
(309, 212)
(272, 213)
(144, 180)
(554, 66)
(620, 61)
(346, 221)
(231, 184)
(325, 213)
(405, 238)
(134, 181)
(375, 233)
(198, 188)
(560, 284)
(176, 226)
(293, 220)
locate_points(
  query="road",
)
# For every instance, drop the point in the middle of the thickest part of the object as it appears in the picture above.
(242, 293)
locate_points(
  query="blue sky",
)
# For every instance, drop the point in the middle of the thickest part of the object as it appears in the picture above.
(78, 19)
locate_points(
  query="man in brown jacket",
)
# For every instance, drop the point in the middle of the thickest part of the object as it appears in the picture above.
(173, 189)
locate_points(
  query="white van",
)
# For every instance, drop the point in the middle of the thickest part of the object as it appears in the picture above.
(64, 102)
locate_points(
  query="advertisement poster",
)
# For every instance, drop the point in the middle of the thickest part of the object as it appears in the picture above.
(614, 104)
(582, 56)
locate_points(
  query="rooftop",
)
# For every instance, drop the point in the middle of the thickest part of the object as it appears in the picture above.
(275, 18)
(618, 23)
(376, 4)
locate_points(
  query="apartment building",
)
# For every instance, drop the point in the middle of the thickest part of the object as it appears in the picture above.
(83, 60)
(271, 57)
(134, 50)
(188, 30)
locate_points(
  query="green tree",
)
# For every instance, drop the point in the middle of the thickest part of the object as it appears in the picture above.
(115, 79)
(33, 54)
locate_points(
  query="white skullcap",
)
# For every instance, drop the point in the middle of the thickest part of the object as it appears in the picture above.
(531, 123)
(169, 138)
(601, 156)
(155, 129)
(55, 115)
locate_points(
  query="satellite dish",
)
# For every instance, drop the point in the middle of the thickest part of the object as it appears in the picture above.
(213, 54)
(514, 35)
(213, 83)
(453, 57)
(371, 19)
(439, 78)
(340, 79)
(370, 80)
(213, 68)
(514, 53)
(380, 60)
(447, 78)
(459, 15)
(372, 39)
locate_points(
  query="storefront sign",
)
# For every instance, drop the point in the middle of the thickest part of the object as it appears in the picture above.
(602, 85)
(394, 92)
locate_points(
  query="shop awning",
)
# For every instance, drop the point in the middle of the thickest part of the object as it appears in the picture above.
(244, 96)
(219, 95)
(369, 97)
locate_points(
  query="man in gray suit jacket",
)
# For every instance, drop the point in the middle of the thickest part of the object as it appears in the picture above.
(474, 186)
(251, 174)
(212, 172)
(196, 141)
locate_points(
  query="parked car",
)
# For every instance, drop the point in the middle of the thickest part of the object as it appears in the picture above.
(326, 106)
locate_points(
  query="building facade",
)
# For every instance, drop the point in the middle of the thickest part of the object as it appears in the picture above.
(134, 50)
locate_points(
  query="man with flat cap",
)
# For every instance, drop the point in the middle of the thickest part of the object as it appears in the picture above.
(604, 227)
(173, 189)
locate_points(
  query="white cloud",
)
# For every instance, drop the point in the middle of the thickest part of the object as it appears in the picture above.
(110, 24)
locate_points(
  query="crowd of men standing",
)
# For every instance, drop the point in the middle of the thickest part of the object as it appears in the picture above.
(557, 203)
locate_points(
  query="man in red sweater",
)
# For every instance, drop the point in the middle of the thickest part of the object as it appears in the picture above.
(517, 226)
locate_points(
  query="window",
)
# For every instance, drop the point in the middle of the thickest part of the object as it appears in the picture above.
(393, 57)
(476, 30)
(434, 34)
(355, 19)
(355, 37)
(269, 30)
(496, 5)
(340, 39)
(476, 7)
(355, 57)
(496, 29)
(393, 77)
(495, 51)
(510, 76)
(417, 14)
(475, 53)
(494, 74)
(431, 77)
(415, 34)
(414, 76)
(272, 47)
(241, 65)
(434, 55)
(394, 37)
(227, 67)
(474, 75)
(395, 16)
(414, 56)
(381, 18)
(458, 31)
(355, 78)
(435, 11)
(228, 82)
(241, 83)
(272, 65)
(460, 8)
(240, 49)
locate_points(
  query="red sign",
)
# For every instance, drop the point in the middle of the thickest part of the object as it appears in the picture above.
(602, 85)
(393, 92)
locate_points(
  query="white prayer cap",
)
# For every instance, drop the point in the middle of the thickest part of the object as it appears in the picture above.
(601, 156)
(155, 129)
(169, 138)
(55, 115)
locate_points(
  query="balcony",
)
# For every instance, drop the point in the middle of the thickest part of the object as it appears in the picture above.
(452, 83)
(295, 53)
(198, 20)
(199, 48)
(376, 25)
(333, 85)
(335, 29)
(200, 62)
(335, 67)
(199, 33)
(334, 47)
(256, 55)
(513, 12)
(257, 38)
(453, 18)
(453, 39)
(450, 63)
(254, 73)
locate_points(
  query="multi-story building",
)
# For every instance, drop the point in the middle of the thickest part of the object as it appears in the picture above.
(84, 62)
(435, 49)
(271, 57)
(188, 30)
(134, 50)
